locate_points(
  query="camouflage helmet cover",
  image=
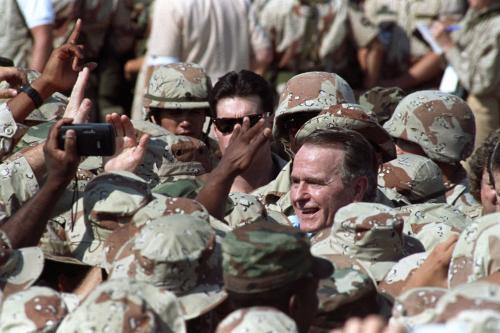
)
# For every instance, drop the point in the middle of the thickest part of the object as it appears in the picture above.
(441, 124)
(310, 92)
(258, 319)
(177, 86)
(382, 101)
(353, 117)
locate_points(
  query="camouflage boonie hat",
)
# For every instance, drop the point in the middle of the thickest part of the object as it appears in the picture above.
(382, 101)
(37, 309)
(416, 306)
(257, 319)
(415, 177)
(171, 157)
(52, 108)
(477, 305)
(158, 207)
(109, 202)
(348, 283)
(177, 86)
(396, 278)
(175, 252)
(476, 254)
(263, 256)
(432, 223)
(441, 124)
(310, 92)
(368, 232)
(353, 117)
(126, 306)
(19, 268)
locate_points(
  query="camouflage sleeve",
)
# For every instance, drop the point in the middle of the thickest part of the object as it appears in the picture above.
(10, 131)
(166, 30)
(362, 30)
(479, 64)
(259, 38)
(18, 184)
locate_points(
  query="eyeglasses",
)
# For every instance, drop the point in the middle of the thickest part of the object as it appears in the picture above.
(226, 125)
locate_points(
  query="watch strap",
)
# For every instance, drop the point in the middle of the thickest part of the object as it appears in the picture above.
(33, 94)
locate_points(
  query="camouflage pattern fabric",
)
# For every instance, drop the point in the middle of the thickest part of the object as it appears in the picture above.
(109, 201)
(124, 305)
(432, 223)
(415, 177)
(368, 232)
(52, 108)
(264, 256)
(354, 117)
(441, 124)
(270, 193)
(381, 101)
(177, 253)
(476, 253)
(310, 92)
(19, 268)
(474, 305)
(348, 283)
(416, 306)
(396, 278)
(34, 310)
(177, 86)
(18, 184)
(258, 319)
(158, 207)
(10, 131)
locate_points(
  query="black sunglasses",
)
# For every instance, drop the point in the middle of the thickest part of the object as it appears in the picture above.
(226, 125)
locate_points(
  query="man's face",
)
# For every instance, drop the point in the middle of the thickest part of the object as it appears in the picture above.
(488, 194)
(235, 107)
(496, 177)
(187, 122)
(317, 189)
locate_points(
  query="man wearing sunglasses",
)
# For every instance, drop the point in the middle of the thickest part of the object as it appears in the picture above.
(235, 96)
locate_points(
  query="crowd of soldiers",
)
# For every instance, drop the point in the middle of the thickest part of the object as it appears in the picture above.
(310, 179)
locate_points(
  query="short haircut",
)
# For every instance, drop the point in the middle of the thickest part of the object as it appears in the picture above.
(242, 84)
(359, 155)
(479, 163)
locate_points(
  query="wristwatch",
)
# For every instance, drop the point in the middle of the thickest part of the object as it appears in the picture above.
(33, 94)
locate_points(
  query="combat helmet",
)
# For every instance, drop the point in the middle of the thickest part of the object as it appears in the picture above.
(177, 86)
(441, 124)
(310, 92)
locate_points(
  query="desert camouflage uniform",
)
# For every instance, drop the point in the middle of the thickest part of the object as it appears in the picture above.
(34, 310)
(110, 200)
(381, 101)
(178, 253)
(315, 35)
(368, 232)
(258, 319)
(475, 306)
(443, 126)
(124, 305)
(414, 178)
(398, 21)
(10, 131)
(476, 253)
(475, 57)
(263, 256)
(394, 282)
(19, 268)
(432, 223)
(416, 306)
(180, 86)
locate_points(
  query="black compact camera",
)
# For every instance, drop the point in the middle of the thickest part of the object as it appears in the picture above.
(92, 139)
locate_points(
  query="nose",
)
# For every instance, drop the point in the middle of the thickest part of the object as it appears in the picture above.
(300, 192)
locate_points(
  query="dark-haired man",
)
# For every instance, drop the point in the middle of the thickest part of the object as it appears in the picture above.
(235, 96)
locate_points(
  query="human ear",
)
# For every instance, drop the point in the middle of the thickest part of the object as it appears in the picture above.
(360, 186)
